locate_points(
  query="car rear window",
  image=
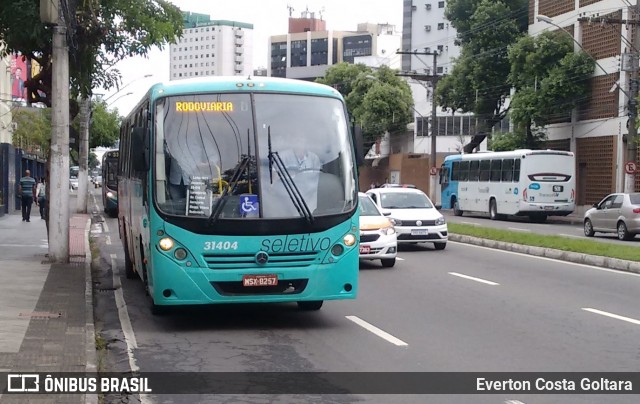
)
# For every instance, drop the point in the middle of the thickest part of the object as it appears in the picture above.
(402, 200)
(635, 199)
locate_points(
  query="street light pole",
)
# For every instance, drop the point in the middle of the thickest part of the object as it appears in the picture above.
(127, 85)
(122, 96)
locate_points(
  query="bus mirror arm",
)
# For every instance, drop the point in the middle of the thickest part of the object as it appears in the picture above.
(358, 143)
(140, 148)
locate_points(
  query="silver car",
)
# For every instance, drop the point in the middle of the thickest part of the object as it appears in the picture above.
(617, 213)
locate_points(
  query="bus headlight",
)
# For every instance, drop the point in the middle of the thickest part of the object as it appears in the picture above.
(349, 240)
(109, 194)
(440, 221)
(166, 244)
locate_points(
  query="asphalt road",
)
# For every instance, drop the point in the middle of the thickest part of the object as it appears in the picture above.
(464, 309)
(555, 227)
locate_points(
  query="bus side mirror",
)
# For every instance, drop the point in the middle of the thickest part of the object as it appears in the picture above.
(358, 143)
(140, 149)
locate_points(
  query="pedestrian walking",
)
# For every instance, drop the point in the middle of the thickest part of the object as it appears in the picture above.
(25, 189)
(41, 197)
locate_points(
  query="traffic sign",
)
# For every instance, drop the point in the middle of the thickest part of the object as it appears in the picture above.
(433, 171)
(630, 167)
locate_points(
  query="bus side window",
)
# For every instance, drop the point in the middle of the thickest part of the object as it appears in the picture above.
(496, 170)
(474, 170)
(455, 172)
(464, 171)
(516, 170)
(444, 175)
(485, 170)
(507, 170)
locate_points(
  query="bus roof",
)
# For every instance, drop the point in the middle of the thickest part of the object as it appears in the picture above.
(239, 83)
(506, 154)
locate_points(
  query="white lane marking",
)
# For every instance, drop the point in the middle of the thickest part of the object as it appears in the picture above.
(400, 259)
(108, 240)
(513, 402)
(372, 328)
(123, 313)
(615, 271)
(570, 235)
(617, 317)
(519, 229)
(474, 279)
(105, 226)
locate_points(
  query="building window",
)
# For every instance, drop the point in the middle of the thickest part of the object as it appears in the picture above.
(440, 70)
(440, 25)
(440, 48)
(441, 4)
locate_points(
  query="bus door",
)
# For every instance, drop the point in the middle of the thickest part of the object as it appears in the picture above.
(445, 187)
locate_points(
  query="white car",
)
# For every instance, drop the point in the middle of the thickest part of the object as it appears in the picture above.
(415, 218)
(73, 183)
(377, 235)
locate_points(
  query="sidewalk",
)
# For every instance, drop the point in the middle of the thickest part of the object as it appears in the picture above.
(46, 310)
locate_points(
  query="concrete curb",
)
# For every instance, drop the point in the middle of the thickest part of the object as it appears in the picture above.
(92, 356)
(579, 258)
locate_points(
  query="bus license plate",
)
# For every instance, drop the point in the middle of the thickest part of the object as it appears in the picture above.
(558, 188)
(548, 208)
(365, 249)
(421, 232)
(260, 280)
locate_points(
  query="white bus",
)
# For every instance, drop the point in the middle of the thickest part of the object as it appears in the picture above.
(534, 183)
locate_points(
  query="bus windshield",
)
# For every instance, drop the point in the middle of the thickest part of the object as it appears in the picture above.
(212, 155)
(550, 167)
(111, 180)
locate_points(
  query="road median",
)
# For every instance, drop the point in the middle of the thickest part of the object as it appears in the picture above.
(588, 252)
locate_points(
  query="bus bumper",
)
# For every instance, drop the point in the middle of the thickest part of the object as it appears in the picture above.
(175, 284)
(556, 209)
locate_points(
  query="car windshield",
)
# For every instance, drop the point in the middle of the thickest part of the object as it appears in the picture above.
(367, 207)
(405, 200)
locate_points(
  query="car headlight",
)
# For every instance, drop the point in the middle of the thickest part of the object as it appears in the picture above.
(440, 221)
(396, 222)
(388, 230)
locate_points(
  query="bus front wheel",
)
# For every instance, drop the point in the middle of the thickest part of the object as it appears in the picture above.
(456, 207)
(310, 305)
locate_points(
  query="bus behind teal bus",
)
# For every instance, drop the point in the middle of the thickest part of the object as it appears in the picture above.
(110, 182)
(239, 190)
(533, 183)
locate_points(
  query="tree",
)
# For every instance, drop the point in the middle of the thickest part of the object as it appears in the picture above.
(93, 161)
(105, 126)
(102, 32)
(33, 129)
(478, 82)
(379, 101)
(549, 78)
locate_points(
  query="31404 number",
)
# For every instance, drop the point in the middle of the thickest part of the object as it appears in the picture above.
(221, 245)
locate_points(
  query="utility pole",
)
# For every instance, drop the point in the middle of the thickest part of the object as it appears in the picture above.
(433, 78)
(83, 155)
(59, 174)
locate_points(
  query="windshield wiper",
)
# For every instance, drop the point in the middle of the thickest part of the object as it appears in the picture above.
(232, 185)
(287, 181)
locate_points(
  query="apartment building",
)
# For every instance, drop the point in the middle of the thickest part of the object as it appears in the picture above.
(596, 131)
(211, 48)
(426, 29)
(309, 49)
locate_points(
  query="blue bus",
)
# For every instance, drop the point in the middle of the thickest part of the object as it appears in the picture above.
(533, 183)
(239, 190)
(110, 182)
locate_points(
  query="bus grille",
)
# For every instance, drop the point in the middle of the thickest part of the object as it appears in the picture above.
(248, 261)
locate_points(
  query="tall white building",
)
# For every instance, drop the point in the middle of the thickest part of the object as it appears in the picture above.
(211, 48)
(426, 29)
(5, 96)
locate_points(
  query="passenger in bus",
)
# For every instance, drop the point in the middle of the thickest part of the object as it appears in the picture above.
(298, 159)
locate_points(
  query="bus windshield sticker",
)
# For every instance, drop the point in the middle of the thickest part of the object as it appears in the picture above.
(211, 106)
(249, 205)
(198, 197)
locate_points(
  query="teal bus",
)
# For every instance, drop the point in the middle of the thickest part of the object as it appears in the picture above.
(240, 190)
(110, 182)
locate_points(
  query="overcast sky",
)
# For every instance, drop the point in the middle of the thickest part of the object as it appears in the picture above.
(269, 17)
